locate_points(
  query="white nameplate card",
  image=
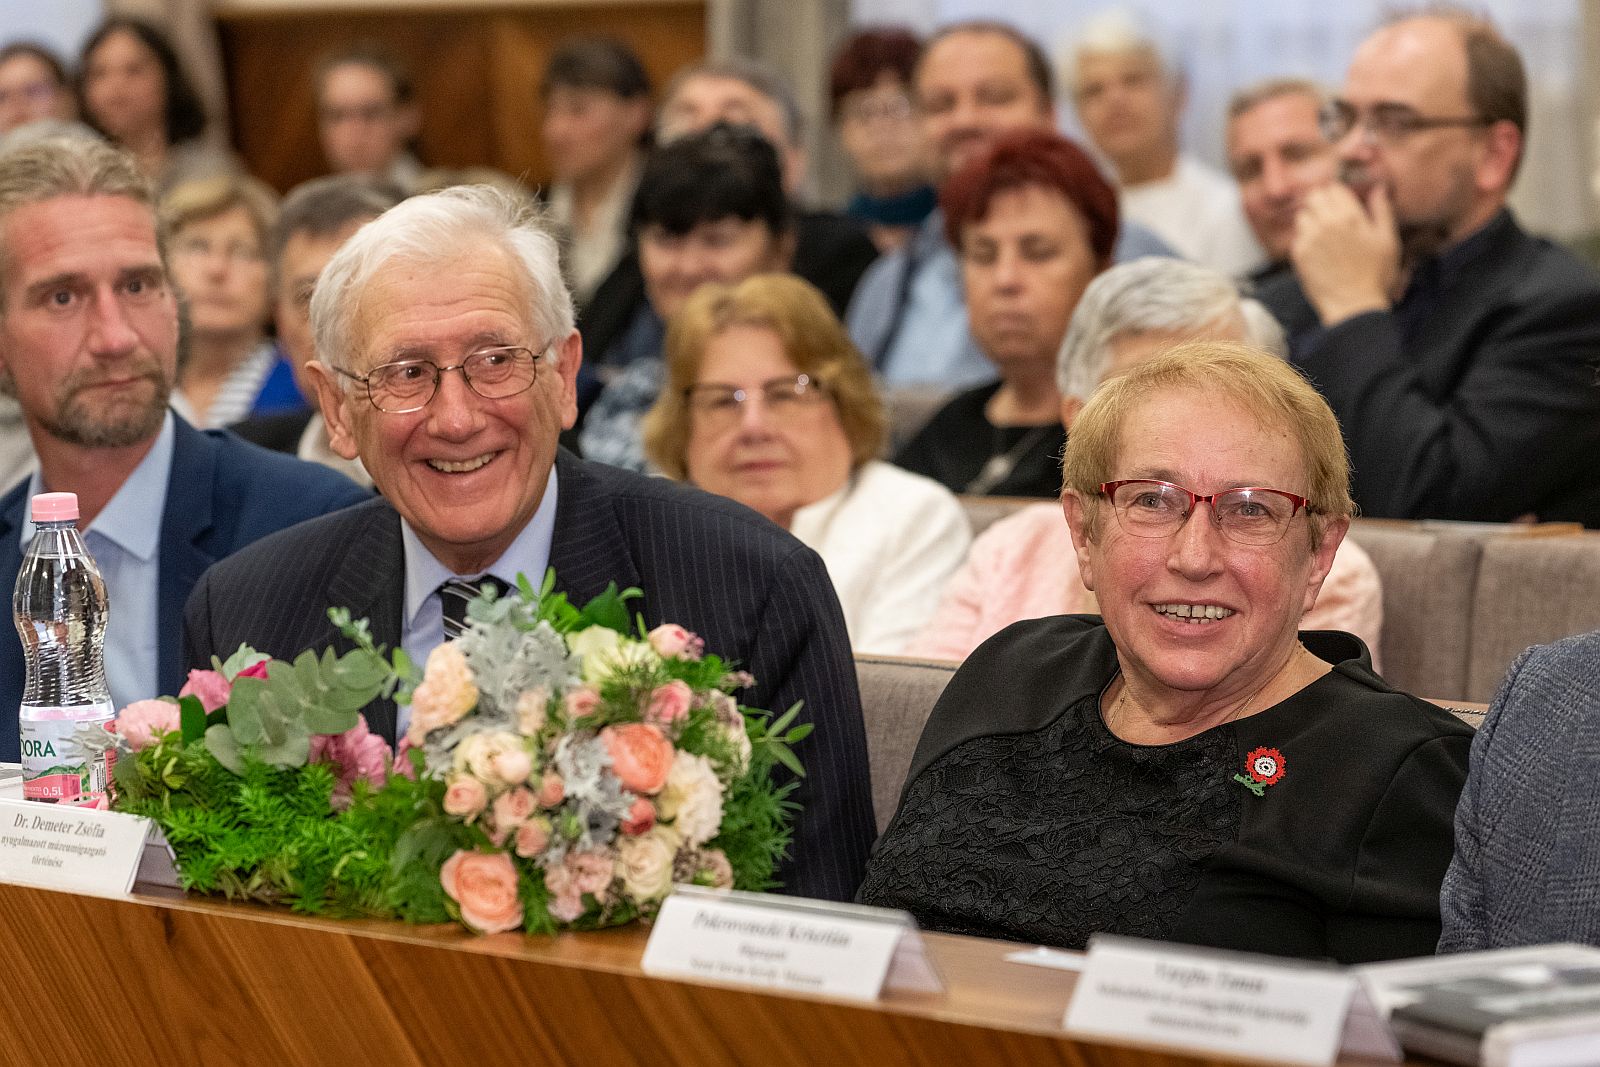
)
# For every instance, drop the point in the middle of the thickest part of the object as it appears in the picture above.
(809, 946)
(1234, 1003)
(80, 850)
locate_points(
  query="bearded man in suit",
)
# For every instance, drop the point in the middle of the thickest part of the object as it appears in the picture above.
(89, 332)
(447, 362)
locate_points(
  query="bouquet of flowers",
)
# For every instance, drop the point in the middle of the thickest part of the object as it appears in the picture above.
(561, 769)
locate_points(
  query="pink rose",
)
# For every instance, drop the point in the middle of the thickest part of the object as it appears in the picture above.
(255, 670)
(465, 797)
(209, 687)
(402, 758)
(641, 817)
(446, 694)
(640, 755)
(565, 907)
(591, 871)
(513, 808)
(582, 702)
(357, 755)
(532, 837)
(512, 766)
(551, 790)
(484, 884)
(670, 703)
(141, 721)
(669, 639)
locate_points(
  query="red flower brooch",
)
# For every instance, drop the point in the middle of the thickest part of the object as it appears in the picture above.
(1266, 767)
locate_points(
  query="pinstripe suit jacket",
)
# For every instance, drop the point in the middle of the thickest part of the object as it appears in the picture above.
(1527, 860)
(756, 595)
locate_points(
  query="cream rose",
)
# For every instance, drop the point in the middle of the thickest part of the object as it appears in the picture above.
(691, 799)
(446, 694)
(645, 864)
(532, 708)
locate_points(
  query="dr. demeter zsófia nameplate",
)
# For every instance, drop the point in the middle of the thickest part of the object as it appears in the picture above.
(808, 946)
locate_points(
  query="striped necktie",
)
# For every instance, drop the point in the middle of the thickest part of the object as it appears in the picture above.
(453, 596)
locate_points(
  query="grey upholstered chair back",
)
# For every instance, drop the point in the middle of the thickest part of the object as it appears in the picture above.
(1429, 576)
(897, 696)
(1530, 591)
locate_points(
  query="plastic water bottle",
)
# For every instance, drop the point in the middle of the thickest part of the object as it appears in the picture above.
(60, 610)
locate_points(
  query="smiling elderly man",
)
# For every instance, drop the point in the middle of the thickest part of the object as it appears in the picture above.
(447, 363)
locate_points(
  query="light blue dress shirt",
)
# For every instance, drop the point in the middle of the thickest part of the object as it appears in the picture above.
(422, 625)
(125, 541)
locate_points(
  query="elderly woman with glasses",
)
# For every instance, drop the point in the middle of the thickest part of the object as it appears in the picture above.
(1186, 766)
(769, 403)
(1020, 567)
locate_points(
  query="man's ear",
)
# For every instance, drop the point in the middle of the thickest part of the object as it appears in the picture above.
(569, 357)
(334, 402)
(1076, 511)
(1070, 406)
(1503, 146)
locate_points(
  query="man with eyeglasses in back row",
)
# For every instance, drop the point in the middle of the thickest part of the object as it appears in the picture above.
(1458, 352)
(448, 362)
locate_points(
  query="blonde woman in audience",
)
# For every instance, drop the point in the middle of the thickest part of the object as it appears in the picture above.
(1021, 567)
(134, 91)
(1188, 765)
(217, 249)
(769, 403)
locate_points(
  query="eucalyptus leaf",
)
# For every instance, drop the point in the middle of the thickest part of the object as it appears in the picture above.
(244, 710)
(292, 752)
(224, 746)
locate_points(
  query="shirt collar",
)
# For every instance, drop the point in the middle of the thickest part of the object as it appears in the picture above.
(529, 554)
(131, 519)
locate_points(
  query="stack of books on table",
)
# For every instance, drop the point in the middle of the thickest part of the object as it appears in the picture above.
(1523, 1007)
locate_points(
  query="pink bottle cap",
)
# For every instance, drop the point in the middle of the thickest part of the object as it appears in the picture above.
(55, 507)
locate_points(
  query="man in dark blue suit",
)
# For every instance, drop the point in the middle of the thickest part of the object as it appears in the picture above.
(89, 347)
(448, 363)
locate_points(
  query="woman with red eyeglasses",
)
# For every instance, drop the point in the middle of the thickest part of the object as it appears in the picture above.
(1188, 765)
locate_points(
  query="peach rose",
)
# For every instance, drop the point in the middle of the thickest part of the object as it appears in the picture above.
(512, 766)
(465, 797)
(446, 694)
(582, 702)
(669, 639)
(670, 703)
(640, 818)
(640, 755)
(484, 885)
(552, 790)
(513, 808)
(141, 721)
(532, 837)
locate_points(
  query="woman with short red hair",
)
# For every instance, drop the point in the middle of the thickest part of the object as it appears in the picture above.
(1032, 222)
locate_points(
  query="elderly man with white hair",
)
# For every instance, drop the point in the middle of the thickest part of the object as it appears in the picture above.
(447, 361)
(1129, 97)
(1022, 567)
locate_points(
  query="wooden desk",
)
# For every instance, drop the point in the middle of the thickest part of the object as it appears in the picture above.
(194, 981)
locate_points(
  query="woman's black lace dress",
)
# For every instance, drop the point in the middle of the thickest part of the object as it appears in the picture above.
(1025, 818)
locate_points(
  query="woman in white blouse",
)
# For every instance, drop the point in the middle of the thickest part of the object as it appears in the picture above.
(769, 403)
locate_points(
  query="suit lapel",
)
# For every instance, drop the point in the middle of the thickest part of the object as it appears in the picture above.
(588, 549)
(187, 547)
(370, 581)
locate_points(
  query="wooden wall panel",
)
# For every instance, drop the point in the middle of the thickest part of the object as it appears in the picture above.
(477, 73)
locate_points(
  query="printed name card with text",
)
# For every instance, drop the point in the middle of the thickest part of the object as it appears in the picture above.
(1197, 999)
(809, 946)
(80, 850)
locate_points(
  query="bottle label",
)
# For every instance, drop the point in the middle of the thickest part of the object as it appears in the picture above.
(54, 769)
